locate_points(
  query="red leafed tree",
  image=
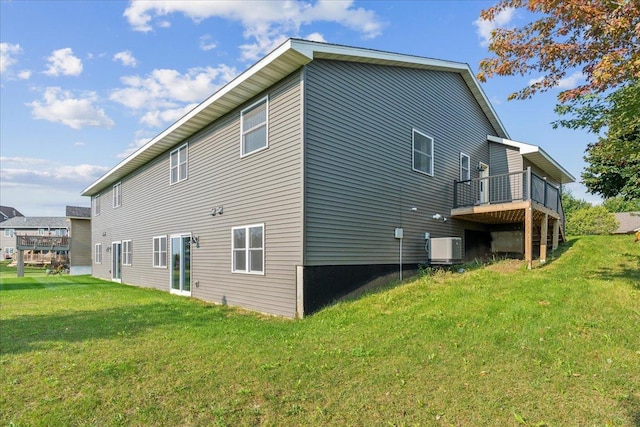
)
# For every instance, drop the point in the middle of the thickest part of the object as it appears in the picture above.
(599, 37)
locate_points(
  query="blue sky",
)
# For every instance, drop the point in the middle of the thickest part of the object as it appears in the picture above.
(84, 83)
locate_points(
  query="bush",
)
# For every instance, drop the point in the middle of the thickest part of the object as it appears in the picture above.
(591, 220)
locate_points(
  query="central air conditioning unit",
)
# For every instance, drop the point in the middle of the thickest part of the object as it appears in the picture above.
(446, 250)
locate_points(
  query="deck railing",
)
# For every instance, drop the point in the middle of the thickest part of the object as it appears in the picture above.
(46, 243)
(506, 188)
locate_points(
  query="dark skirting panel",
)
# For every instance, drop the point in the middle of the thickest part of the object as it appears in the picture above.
(323, 285)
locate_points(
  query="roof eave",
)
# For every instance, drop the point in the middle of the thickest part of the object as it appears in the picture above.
(288, 57)
(538, 157)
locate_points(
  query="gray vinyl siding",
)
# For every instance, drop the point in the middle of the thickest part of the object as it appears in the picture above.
(504, 159)
(359, 180)
(79, 245)
(261, 188)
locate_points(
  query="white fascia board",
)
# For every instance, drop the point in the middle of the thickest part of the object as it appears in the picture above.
(525, 149)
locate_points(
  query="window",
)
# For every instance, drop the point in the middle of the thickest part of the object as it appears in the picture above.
(9, 232)
(117, 195)
(248, 249)
(160, 252)
(422, 153)
(98, 253)
(96, 205)
(465, 169)
(179, 169)
(62, 232)
(8, 252)
(41, 231)
(126, 252)
(253, 125)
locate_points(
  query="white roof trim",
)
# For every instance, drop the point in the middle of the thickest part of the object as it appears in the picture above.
(538, 157)
(285, 59)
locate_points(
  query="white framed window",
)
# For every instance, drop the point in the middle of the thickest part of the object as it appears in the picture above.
(96, 205)
(117, 195)
(254, 127)
(9, 232)
(62, 232)
(247, 243)
(8, 252)
(127, 252)
(97, 257)
(422, 152)
(160, 251)
(41, 231)
(179, 164)
(465, 167)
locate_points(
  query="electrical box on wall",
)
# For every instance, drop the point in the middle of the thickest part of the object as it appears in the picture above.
(399, 233)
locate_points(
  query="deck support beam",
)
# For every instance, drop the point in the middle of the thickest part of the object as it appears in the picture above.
(556, 234)
(20, 272)
(528, 236)
(544, 231)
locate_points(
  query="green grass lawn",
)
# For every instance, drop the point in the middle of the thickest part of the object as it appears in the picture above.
(495, 346)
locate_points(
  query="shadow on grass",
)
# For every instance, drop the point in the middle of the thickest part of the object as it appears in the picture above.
(627, 269)
(33, 332)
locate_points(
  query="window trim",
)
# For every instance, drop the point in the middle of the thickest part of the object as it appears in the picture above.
(431, 155)
(468, 170)
(97, 253)
(184, 146)
(264, 100)
(127, 252)
(153, 252)
(117, 195)
(9, 232)
(96, 205)
(247, 249)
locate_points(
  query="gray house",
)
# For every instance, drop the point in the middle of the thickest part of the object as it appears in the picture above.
(316, 170)
(79, 220)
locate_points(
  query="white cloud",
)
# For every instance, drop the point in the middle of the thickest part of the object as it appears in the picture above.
(133, 147)
(316, 37)
(126, 58)
(168, 90)
(535, 81)
(266, 23)
(24, 75)
(63, 62)
(571, 81)
(158, 118)
(566, 83)
(7, 55)
(484, 27)
(28, 171)
(61, 106)
(206, 43)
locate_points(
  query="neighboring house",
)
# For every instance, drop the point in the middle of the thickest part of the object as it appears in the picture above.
(7, 212)
(316, 170)
(29, 226)
(629, 222)
(79, 220)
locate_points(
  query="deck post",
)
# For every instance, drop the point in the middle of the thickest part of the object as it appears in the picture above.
(556, 234)
(544, 227)
(20, 272)
(528, 235)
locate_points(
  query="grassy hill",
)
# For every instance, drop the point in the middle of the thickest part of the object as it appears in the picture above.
(494, 345)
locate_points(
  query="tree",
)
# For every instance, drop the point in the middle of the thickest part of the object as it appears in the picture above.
(619, 204)
(570, 203)
(591, 220)
(614, 167)
(600, 37)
